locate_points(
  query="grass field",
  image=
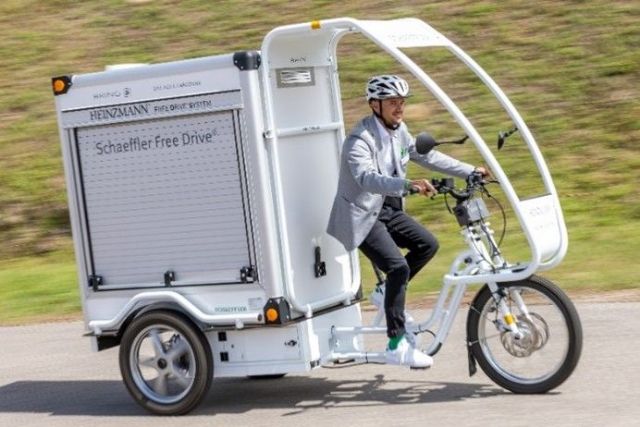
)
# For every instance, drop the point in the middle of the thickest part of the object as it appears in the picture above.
(572, 69)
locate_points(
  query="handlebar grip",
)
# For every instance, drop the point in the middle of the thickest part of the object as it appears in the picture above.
(443, 185)
(413, 190)
(475, 178)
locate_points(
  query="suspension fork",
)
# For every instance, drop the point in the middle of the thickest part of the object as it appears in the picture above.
(509, 318)
(517, 297)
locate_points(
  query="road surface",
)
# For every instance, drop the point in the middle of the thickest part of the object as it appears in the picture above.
(50, 377)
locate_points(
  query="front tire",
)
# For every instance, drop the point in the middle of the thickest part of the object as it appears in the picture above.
(165, 363)
(551, 345)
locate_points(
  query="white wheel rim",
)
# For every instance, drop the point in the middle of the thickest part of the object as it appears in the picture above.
(163, 364)
(540, 364)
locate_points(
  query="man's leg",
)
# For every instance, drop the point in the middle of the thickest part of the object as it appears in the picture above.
(410, 234)
(380, 248)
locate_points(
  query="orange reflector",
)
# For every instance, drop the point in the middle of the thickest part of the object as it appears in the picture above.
(58, 85)
(271, 314)
(315, 25)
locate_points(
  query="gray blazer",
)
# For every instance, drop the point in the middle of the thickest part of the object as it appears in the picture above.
(364, 181)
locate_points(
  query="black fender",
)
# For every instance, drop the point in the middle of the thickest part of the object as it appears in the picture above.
(473, 368)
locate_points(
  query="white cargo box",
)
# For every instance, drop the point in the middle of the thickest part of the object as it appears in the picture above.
(171, 187)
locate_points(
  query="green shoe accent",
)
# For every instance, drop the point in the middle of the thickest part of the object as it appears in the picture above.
(393, 342)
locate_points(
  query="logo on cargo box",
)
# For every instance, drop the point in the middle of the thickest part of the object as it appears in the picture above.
(231, 309)
(176, 85)
(116, 93)
(119, 112)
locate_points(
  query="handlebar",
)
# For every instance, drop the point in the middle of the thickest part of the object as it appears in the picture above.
(446, 186)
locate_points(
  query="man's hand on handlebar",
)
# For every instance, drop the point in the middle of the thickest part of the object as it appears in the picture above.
(482, 171)
(423, 187)
(476, 179)
(480, 175)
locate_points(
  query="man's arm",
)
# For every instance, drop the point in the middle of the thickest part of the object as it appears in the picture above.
(364, 170)
(441, 162)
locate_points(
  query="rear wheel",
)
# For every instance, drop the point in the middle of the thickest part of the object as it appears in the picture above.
(549, 350)
(165, 363)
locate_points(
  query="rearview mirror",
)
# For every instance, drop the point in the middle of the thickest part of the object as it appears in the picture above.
(425, 143)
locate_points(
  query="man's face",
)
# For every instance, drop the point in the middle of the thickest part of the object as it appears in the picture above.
(392, 110)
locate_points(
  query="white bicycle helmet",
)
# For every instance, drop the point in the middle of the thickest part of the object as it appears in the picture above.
(387, 86)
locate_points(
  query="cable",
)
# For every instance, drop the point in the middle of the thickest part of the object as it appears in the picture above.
(446, 203)
(504, 215)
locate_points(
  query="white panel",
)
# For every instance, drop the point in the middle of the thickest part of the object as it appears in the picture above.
(403, 33)
(307, 127)
(260, 345)
(164, 195)
(309, 182)
(310, 50)
(288, 349)
(539, 215)
(304, 105)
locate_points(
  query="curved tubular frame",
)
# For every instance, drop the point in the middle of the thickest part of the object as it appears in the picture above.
(540, 218)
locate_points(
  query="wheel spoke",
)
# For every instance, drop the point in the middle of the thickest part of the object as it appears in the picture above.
(488, 337)
(149, 362)
(182, 377)
(160, 385)
(156, 341)
(178, 348)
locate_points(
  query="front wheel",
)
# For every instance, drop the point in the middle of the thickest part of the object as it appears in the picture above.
(551, 343)
(165, 363)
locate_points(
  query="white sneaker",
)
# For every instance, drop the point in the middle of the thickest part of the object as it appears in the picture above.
(377, 299)
(407, 355)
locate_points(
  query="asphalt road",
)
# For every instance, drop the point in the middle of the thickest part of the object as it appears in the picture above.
(50, 377)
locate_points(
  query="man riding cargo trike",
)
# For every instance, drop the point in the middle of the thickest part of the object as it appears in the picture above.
(217, 208)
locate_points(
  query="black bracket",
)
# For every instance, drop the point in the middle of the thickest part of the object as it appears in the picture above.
(61, 85)
(169, 276)
(247, 274)
(281, 306)
(320, 268)
(247, 60)
(95, 281)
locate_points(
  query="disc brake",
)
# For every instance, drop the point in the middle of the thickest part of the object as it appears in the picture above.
(535, 336)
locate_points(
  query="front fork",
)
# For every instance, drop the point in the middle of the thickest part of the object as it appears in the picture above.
(472, 237)
(507, 317)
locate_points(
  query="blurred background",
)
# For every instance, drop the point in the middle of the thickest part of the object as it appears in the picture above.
(572, 69)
